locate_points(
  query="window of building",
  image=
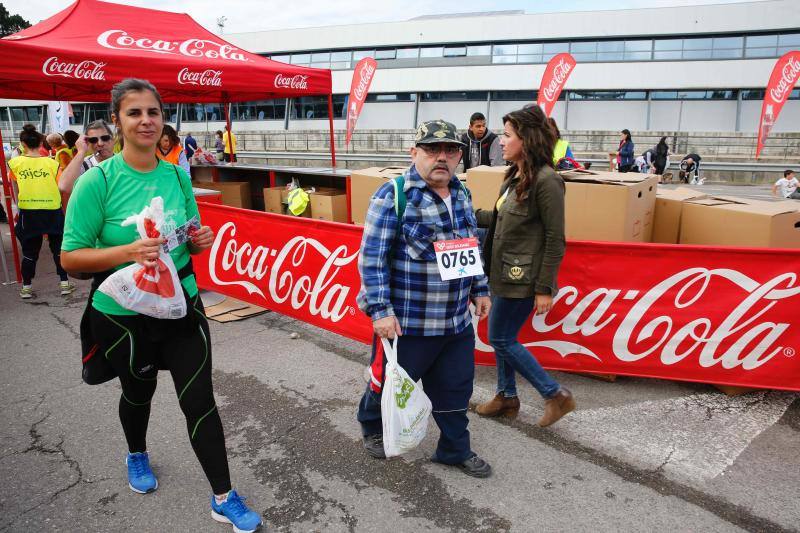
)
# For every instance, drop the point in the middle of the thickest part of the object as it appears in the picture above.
(504, 53)
(454, 96)
(99, 111)
(301, 59)
(170, 112)
(260, 110)
(430, 52)
(316, 107)
(610, 50)
(341, 60)
(76, 118)
(455, 51)
(479, 50)
(727, 47)
(385, 54)
(283, 58)
(697, 48)
(788, 42)
(510, 96)
(761, 45)
(392, 97)
(18, 114)
(608, 95)
(407, 53)
(638, 50)
(358, 55)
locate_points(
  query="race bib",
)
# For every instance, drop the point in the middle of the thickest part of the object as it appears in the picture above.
(458, 258)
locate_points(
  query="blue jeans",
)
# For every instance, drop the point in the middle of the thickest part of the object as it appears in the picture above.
(505, 321)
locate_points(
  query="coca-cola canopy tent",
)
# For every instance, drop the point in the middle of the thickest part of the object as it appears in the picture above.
(81, 52)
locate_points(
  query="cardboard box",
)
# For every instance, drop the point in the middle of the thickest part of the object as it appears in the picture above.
(275, 200)
(668, 213)
(484, 183)
(364, 183)
(609, 206)
(329, 205)
(234, 193)
(728, 221)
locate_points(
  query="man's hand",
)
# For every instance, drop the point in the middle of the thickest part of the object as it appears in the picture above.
(82, 145)
(482, 306)
(387, 327)
(203, 238)
(544, 302)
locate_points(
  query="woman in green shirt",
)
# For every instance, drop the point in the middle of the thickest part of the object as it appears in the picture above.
(135, 345)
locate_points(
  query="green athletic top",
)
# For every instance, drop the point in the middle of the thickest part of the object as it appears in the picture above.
(97, 209)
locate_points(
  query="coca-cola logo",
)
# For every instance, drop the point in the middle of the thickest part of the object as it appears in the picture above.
(319, 295)
(789, 74)
(198, 48)
(749, 340)
(365, 76)
(297, 81)
(82, 70)
(205, 78)
(560, 73)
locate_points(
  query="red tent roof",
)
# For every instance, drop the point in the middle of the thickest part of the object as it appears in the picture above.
(81, 52)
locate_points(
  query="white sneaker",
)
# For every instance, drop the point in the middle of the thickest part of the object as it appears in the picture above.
(67, 288)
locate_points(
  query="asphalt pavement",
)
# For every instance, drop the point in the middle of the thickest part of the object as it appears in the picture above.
(637, 455)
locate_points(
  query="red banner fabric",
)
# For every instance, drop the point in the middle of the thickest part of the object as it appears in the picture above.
(781, 82)
(555, 76)
(359, 87)
(689, 313)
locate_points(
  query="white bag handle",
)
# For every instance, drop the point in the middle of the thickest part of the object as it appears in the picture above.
(390, 349)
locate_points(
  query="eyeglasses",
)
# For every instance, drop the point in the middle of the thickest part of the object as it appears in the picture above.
(93, 140)
(449, 150)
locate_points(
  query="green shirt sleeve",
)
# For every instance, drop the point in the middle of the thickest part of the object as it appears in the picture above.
(85, 212)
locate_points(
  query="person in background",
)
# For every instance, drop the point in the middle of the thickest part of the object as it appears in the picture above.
(190, 146)
(788, 186)
(563, 151)
(170, 150)
(70, 138)
(34, 178)
(481, 146)
(229, 147)
(137, 346)
(63, 154)
(99, 142)
(690, 170)
(522, 255)
(625, 157)
(219, 147)
(661, 157)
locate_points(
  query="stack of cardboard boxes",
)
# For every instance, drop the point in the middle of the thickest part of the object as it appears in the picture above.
(610, 206)
(325, 203)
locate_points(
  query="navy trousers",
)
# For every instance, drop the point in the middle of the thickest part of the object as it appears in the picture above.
(446, 365)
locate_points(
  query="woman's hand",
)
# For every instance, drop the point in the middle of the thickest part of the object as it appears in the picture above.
(145, 251)
(202, 239)
(544, 302)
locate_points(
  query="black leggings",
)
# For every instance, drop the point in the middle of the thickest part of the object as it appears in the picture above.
(137, 346)
(30, 255)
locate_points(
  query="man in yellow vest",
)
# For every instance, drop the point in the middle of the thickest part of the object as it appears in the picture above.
(229, 141)
(63, 154)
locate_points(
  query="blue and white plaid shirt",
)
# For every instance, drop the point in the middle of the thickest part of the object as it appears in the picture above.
(399, 275)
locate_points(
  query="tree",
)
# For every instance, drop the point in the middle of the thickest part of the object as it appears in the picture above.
(11, 23)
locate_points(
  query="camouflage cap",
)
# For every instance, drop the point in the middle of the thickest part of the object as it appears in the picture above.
(437, 131)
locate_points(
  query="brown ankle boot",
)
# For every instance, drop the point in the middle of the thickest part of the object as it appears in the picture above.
(556, 407)
(499, 406)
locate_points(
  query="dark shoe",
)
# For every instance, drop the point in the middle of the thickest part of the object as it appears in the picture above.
(474, 466)
(556, 407)
(499, 406)
(587, 165)
(374, 446)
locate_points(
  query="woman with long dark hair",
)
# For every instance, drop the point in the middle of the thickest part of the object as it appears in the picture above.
(522, 254)
(34, 179)
(661, 158)
(625, 157)
(137, 346)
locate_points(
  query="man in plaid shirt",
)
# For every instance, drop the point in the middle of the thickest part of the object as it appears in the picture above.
(404, 294)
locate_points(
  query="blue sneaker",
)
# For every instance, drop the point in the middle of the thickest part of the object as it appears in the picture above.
(234, 511)
(140, 476)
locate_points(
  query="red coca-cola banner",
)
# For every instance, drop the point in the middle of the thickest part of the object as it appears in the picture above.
(359, 87)
(555, 76)
(781, 83)
(689, 313)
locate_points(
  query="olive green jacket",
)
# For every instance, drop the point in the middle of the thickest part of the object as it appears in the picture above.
(526, 243)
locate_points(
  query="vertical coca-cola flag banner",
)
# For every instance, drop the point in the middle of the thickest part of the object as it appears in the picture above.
(781, 82)
(359, 87)
(555, 76)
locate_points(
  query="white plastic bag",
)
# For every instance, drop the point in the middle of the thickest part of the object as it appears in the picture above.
(153, 291)
(405, 407)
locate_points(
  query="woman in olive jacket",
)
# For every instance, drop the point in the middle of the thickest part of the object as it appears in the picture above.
(522, 253)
